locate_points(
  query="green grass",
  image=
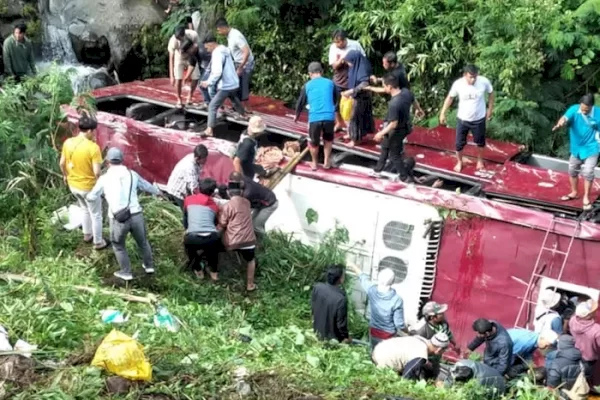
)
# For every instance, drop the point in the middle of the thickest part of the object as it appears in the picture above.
(284, 359)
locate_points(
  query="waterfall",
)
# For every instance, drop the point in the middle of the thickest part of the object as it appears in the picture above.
(58, 48)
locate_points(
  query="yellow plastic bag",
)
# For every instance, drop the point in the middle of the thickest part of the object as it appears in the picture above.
(123, 356)
(346, 104)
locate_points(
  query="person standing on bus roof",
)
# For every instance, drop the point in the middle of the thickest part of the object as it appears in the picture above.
(337, 52)
(245, 155)
(178, 62)
(242, 57)
(472, 115)
(321, 97)
(583, 120)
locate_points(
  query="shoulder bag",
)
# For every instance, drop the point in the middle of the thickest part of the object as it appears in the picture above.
(124, 214)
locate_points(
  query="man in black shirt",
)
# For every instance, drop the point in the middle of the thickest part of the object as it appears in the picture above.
(330, 307)
(397, 126)
(243, 161)
(198, 54)
(392, 66)
(262, 200)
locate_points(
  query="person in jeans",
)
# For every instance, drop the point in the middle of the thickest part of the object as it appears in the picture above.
(198, 55)
(583, 120)
(235, 221)
(120, 186)
(262, 200)
(224, 76)
(397, 127)
(472, 114)
(242, 57)
(385, 305)
(199, 220)
(80, 163)
(321, 96)
(184, 178)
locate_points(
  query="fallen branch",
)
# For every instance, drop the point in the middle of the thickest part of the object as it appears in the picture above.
(148, 299)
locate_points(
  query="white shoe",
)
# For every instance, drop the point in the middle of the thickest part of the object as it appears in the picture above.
(123, 275)
(149, 270)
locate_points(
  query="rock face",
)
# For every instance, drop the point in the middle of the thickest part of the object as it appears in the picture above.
(101, 30)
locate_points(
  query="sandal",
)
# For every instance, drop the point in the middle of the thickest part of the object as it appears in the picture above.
(587, 207)
(102, 246)
(253, 289)
(568, 197)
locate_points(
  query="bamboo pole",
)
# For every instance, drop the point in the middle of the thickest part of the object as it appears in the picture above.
(148, 299)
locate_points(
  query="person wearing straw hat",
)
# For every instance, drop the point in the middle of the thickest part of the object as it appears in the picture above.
(408, 355)
(586, 332)
(385, 305)
(549, 318)
(243, 161)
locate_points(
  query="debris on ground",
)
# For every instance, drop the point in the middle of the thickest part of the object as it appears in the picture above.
(118, 385)
(25, 348)
(113, 317)
(4, 343)
(17, 369)
(164, 319)
(123, 356)
(291, 148)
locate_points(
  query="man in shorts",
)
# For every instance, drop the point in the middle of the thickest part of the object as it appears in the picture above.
(583, 120)
(178, 62)
(242, 57)
(321, 96)
(472, 115)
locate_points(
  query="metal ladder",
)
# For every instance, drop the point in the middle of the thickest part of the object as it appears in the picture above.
(537, 273)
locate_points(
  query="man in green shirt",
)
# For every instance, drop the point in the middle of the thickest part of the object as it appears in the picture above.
(18, 54)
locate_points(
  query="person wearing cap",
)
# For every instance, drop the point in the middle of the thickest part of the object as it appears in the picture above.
(235, 222)
(586, 332)
(549, 318)
(329, 305)
(120, 186)
(525, 343)
(499, 345)
(434, 321)
(408, 355)
(321, 96)
(566, 366)
(262, 200)
(486, 376)
(80, 163)
(185, 177)
(385, 305)
(243, 161)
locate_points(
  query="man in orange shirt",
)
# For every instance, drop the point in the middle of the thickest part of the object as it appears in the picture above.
(80, 163)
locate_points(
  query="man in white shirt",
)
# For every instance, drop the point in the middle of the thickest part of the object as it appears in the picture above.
(472, 115)
(242, 57)
(119, 186)
(408, 355)
(224, 77)
(178, 63)
(185, 177)
(337, 51)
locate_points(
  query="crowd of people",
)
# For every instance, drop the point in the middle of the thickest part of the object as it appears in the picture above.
(565, 334)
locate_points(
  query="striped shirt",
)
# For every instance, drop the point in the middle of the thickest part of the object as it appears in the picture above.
(184, 179)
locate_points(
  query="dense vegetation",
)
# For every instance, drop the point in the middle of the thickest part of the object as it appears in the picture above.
(541, 55)
(283, 359)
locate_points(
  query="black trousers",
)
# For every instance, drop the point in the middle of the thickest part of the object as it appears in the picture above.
(393, 147)
(211, 247)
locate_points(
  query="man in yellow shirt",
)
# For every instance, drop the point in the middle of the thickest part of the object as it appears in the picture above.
(80, 163)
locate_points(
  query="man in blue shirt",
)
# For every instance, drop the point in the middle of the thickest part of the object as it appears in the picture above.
(583, 121)
(525, 343)
(321, 97)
